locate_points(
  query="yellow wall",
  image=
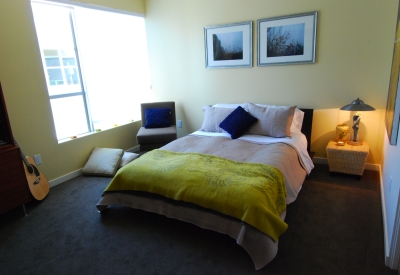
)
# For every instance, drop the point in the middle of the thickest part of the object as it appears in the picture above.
(25, 92)
(353, 59)
(354, 51)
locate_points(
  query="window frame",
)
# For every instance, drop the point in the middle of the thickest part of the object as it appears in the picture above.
(82, 93)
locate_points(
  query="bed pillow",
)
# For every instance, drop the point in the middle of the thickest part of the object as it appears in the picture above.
(213, 117)
(157, 118)
(272, 121)
(237, 122)
(297, 121)
(232, 105)
(103, 162)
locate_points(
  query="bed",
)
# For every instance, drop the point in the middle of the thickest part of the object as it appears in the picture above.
(256, 228)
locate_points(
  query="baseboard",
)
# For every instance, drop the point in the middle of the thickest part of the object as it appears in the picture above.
(368, 166)
(392, 259)
(320, 160)
(64, 178)
(384, 219)
(78, 172)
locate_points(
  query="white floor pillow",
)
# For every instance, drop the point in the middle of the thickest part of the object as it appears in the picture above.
(127, 157)
(103, 162)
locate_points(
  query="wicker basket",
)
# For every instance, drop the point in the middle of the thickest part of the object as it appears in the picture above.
(347, 159)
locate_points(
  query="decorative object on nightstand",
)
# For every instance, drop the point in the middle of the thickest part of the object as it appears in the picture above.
(342, 131)
(357, 105)
(347, 159)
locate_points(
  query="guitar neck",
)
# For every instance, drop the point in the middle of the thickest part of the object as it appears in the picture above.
(22, 154)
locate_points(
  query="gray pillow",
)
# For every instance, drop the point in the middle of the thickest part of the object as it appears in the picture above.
(273, 121)
(213, 117)
(103, 162)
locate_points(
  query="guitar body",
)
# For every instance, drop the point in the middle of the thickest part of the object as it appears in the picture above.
(38, 183)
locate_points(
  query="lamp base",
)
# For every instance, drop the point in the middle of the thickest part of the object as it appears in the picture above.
(355, 143)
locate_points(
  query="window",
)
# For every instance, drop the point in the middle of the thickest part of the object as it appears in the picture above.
(95, 64)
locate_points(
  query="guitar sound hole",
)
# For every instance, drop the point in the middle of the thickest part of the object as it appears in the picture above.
(30, 169)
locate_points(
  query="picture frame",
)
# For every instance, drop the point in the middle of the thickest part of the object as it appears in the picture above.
(392, 114)
(229, 45)
(287, 39)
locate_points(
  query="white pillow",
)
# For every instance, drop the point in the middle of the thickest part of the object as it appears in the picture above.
(273, 121)
(103, 162)
(127, 157)
(297, 122)
(213, 117)
(232, 106)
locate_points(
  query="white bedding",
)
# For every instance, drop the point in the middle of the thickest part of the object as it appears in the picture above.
(298, 141)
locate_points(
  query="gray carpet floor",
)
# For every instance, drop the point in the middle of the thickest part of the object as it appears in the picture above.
(335, 227)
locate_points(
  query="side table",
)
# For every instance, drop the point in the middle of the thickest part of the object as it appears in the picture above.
(347, 159)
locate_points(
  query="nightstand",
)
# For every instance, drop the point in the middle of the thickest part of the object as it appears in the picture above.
(347, 159)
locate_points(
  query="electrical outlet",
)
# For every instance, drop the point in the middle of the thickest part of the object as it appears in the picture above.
(38, 159)
(179, 123)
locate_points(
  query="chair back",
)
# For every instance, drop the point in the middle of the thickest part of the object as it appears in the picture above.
(166, 104)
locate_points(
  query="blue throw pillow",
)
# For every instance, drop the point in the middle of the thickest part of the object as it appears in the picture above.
(157, 117)
(237, 122)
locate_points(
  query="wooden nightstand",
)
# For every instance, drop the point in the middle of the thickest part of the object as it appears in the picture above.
(347, 159)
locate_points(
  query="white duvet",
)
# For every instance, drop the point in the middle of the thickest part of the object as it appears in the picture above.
(298, 141)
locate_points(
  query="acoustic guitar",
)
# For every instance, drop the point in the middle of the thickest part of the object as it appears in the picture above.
(37, 182)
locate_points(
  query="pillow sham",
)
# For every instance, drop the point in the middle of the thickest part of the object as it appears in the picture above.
(237, 122)
(103, 162)
(213, 117)
(157, 118)
(272, 121)
(297, 121)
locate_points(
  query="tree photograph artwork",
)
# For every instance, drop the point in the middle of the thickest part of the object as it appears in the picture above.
(285, 40)
(228, 46)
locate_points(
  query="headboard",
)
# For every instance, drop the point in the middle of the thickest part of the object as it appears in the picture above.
(307, 125)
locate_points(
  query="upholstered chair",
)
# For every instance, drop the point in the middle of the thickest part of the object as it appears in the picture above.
(158, 125)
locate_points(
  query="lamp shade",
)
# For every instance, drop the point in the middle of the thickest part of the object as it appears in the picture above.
(357, 105)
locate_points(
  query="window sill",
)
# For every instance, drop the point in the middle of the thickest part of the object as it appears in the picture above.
(91, 133)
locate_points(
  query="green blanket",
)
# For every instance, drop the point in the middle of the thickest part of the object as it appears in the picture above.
(254, 193)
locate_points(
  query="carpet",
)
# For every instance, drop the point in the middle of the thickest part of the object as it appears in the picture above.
(335, 227)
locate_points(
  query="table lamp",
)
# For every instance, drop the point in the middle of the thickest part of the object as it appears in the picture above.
(356, 105)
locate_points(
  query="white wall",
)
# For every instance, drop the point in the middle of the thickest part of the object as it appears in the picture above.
(390, 190)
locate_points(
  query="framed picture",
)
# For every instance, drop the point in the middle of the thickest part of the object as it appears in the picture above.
(229, 46)
(393, 100)
(287, 39)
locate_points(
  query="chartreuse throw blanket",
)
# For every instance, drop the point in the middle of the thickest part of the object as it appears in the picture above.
(254, 193)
